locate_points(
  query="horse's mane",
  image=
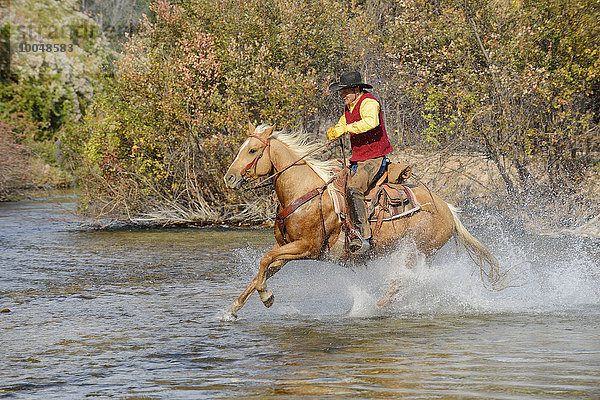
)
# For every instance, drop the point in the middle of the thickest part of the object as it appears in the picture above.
(300, 144)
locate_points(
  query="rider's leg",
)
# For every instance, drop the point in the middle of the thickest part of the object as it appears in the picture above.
(358, 185)
(359, 218)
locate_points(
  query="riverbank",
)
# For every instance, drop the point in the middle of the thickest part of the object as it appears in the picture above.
(33, 178)
(467, 181)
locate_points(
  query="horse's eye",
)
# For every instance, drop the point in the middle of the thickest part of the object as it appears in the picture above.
(252, 151)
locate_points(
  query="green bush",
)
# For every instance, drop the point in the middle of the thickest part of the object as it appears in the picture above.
(43, 93)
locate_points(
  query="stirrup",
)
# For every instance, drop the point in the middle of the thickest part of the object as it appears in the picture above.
(365, 246)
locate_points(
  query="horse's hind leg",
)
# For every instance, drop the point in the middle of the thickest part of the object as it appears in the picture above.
(392, 291)
(396, 284)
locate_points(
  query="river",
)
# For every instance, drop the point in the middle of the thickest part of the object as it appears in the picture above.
(137, 314)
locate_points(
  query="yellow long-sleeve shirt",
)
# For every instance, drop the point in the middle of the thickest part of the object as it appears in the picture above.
(369, 113)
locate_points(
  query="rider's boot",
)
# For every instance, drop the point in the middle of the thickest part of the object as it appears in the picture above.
(360, 245)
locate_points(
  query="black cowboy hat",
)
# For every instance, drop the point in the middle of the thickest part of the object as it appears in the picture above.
(348, 80)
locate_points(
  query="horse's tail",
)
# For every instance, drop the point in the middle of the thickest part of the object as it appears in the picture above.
(489, 266)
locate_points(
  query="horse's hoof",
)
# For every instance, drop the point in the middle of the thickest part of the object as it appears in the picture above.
(269, 301)
(229, 316)
(384, 302)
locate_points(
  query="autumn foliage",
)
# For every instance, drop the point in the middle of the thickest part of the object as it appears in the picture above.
(152, 132)
(517, 82)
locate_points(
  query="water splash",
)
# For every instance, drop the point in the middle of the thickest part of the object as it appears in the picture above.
(546, 274)
(363, 304)
(549, 275)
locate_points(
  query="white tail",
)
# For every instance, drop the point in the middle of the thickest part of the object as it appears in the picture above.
(489, 267)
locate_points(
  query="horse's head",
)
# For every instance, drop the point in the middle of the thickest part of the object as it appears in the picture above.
(253, 159)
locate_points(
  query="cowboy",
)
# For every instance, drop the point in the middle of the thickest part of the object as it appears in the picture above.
(363, 119)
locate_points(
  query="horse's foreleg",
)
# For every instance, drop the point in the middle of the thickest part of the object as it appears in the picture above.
(240, 301)
(266, 296)
(273, 261)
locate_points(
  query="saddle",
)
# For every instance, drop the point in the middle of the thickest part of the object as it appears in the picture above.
(387, 200)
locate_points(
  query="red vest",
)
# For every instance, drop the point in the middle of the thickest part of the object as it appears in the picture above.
(370, 144)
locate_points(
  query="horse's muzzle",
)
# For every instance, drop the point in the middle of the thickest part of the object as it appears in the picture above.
(232, 181)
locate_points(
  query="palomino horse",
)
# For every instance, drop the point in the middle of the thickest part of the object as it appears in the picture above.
(313, 229)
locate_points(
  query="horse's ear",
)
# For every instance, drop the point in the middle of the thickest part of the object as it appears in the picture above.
(251, 127)
(267, 132)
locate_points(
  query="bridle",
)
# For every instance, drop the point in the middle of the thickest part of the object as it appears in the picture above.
(254, 162)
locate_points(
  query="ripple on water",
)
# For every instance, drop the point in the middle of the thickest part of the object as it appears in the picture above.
(137, 314)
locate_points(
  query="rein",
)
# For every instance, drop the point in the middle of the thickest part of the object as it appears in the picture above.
(286, 212)
(267, 143)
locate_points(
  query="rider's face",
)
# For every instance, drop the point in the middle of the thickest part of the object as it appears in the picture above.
(349, 95)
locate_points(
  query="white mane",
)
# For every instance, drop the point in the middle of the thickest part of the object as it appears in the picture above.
(298, 143)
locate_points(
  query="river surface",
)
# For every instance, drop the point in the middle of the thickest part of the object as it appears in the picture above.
(137, 314)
